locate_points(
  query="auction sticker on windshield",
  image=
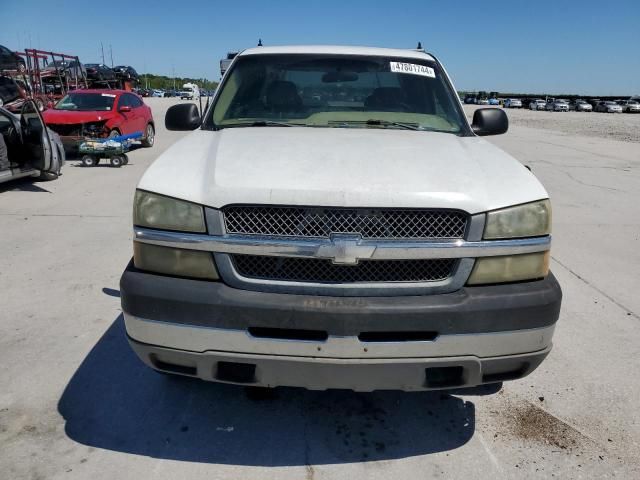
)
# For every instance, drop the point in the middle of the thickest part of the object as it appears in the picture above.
(413, 69)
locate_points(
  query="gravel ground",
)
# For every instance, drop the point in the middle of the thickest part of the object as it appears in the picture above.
(614, 126)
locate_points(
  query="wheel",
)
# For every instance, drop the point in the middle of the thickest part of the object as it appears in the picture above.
(150, 136)
(114, 133)
(88, 161)
(116, 161)
(125, 158)
(47, 176)
(39, 104)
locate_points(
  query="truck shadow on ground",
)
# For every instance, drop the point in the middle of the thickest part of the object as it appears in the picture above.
(114, 402)
(28, 184)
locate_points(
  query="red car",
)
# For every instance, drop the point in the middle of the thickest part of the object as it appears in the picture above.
(100, 114)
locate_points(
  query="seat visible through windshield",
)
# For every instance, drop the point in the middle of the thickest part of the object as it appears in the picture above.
(337, 90)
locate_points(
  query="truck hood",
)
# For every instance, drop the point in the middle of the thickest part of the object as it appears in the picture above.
(68, 117)
(351, 167)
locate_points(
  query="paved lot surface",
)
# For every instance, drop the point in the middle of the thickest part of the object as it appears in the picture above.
(76, 404)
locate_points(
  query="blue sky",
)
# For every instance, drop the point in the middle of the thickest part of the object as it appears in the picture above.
(586, 46)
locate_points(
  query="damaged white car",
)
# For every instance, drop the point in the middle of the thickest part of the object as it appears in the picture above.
(27, 147)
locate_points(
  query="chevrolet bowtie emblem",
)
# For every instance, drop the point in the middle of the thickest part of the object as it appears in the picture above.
(346, 250)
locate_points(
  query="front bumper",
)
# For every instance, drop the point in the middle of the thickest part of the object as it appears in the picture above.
(215, 332)
(72, 135)
(361, 375)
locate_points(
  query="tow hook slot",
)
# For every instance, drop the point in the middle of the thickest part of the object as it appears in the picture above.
(236, 372)
(445, 377)
(410, 336)
(289, 334)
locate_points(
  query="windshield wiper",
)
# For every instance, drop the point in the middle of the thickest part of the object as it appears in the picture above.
(264, 123)
(384, 123)
(377, 122)
(387, 123)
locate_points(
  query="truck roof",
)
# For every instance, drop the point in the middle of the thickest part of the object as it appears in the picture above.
(340, 50)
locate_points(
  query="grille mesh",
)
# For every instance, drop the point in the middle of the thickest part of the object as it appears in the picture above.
(322, 222)
(324, 271)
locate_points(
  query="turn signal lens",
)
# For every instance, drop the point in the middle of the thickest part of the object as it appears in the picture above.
(174, 261)
(513, 268)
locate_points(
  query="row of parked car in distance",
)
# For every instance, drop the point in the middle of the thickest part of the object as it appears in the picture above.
(580, 105)
(631, 105)
(159, 92)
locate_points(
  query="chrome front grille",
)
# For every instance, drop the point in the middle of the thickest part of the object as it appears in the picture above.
(322, 222)
(316, 270)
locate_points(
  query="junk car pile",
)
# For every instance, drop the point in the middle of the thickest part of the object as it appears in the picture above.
(45, 77)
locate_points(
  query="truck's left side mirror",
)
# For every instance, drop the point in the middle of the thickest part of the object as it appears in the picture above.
(489, 121)
(182, 117)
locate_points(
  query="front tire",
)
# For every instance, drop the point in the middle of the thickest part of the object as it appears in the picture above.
(150, 136)
(47, 176)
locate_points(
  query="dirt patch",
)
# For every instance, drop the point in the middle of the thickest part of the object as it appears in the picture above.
(532, 423)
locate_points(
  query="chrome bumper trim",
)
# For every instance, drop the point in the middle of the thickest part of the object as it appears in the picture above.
(203, 339)
(323, 248)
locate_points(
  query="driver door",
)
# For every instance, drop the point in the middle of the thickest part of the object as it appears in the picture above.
(36, 143)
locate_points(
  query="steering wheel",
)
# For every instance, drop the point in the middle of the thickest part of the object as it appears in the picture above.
(12, 135)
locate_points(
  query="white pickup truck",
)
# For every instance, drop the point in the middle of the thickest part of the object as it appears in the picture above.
(334, 221)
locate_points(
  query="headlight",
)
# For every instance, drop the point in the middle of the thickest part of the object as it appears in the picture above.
(513, 268)
(528, 220)
(174, 261)
(157, 211)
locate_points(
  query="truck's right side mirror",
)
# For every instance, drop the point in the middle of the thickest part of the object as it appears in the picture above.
(182, 117)
(489, 121)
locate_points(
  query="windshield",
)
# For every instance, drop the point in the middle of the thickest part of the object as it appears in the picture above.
(323, 90)
(86, 102)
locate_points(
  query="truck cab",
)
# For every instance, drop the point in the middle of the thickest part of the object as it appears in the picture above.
(334, 221)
